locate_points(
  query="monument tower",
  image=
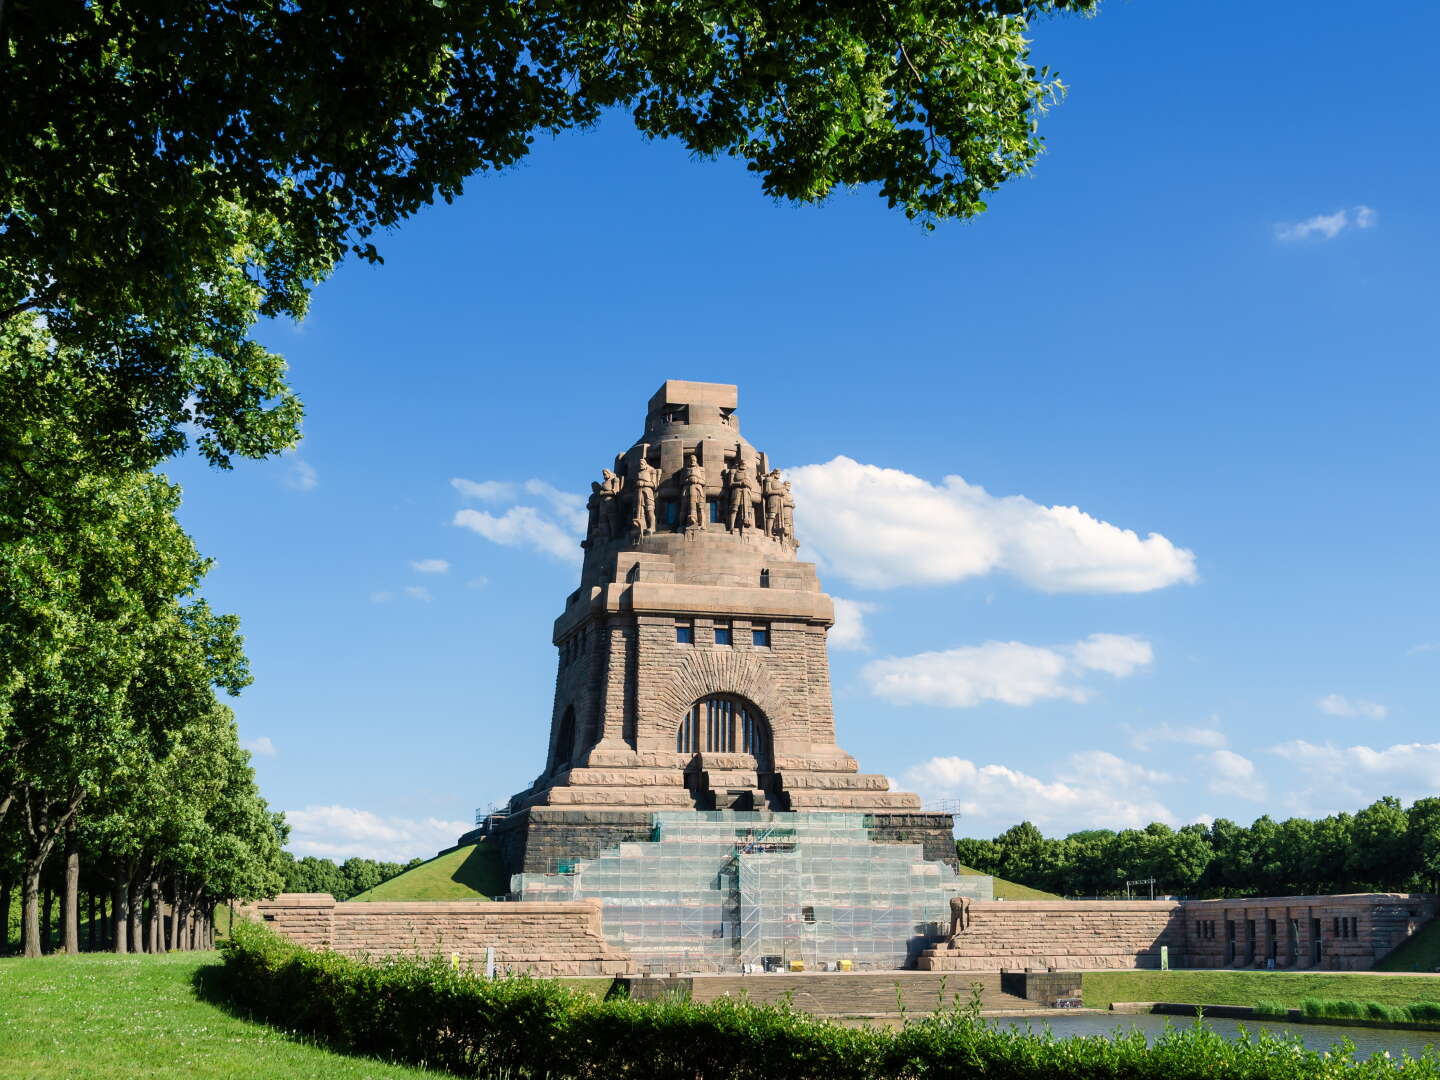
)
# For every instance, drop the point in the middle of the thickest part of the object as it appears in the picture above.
(693, 673)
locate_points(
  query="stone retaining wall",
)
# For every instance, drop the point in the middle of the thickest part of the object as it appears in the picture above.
(549, 939)
(1347, 932)
(1067, 934)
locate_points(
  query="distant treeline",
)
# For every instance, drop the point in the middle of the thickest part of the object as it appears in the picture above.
(1384, 847)
(340, 880)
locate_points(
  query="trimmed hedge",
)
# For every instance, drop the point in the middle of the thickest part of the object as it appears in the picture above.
(423, 1012)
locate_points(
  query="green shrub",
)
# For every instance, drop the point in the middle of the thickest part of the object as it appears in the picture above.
(426, 1013)
(1424, 1012)
(1276, 1009)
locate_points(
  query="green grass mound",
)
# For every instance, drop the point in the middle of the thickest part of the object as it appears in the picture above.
(473, 872)
(1276, 989)
(138, 1018)
(1419, 953)
(1012, 890)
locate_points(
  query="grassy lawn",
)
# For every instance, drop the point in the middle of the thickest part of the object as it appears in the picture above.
(120, 1017)
(473, 872)
(1248, 987)
(1010, 890)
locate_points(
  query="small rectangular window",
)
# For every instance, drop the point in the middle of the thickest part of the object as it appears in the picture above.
(684, 633)
(1272, 927)
(722, 635)
(760, 635)
(670, 512)
(714, 511)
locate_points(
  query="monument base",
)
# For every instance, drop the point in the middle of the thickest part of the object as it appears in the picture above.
(548, 840)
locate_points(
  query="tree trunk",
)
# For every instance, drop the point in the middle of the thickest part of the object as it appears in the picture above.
(136, 901)
(4, 916)
(70, 905)
(90, 922)
(157, 919)
(120, 915)
(30, 910)
(177, 920)
(47, 923)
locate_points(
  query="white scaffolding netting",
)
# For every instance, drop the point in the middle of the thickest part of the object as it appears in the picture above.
(715, 890)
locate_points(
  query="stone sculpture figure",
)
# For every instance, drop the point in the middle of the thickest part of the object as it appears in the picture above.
(646, 478)
(610, 486)
(787, 515)
(738, 486)
(598, 530)
(773, 491)
(692, 482)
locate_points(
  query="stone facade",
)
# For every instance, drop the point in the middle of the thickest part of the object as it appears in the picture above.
(693, 672)
(1348, 932)
(1334, 933)
(1065, 934)
(547, 939)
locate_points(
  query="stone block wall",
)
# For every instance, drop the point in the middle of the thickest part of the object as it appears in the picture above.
(547, 939)
(1067, 934)
(1345, 932)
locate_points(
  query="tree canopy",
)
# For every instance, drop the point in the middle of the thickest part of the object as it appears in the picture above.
(1384, 846)
(175, 170)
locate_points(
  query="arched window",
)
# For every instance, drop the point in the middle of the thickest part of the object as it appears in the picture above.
(565, 740)
(724, 724)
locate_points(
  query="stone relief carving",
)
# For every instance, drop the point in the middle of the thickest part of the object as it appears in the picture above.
(787, 516)
(646, 479)
(692, 482)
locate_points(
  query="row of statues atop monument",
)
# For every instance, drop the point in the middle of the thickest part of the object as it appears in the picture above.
(749, 497)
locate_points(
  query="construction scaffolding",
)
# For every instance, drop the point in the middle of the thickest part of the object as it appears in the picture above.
(734, 890)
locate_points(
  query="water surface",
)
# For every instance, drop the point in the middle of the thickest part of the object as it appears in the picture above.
(1367, 1041)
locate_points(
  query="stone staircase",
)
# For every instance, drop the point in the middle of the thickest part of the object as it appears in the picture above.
(862, 993)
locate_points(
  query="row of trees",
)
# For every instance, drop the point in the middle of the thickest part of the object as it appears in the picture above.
(1385, 846)
(115, 754)
(340, 880)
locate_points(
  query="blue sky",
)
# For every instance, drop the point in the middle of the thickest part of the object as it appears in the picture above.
(1210, 315)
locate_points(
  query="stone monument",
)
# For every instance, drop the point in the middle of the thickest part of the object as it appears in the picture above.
(692, 659)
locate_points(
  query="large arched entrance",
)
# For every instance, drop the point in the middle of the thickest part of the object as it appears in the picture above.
(725, 724)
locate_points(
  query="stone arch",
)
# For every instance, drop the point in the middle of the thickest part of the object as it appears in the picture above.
(726, 671)
(564, 750)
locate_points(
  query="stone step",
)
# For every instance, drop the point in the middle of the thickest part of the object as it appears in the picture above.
(856, 801)
(833, 781)
(616, 798)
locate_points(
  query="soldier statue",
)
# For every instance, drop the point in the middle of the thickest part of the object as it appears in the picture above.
(646, 477)
(773, 491)
(739, 514)
(692, 482)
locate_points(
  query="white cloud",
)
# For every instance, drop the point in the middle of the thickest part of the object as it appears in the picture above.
(1339, 705)
(430, 566)
(1094, 789)
(418, 592)
(883, 527)
(477, 582)
(567, 506)
(300, 475)
(381, 597)
(340, 832)
(1149, 738)
(261, 746)
(1413, 763)
(486, 490)
(1233, 774)
(1423, 647)
(1327, 226)
(849, 629)
(1010, 672)
(522, 526)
